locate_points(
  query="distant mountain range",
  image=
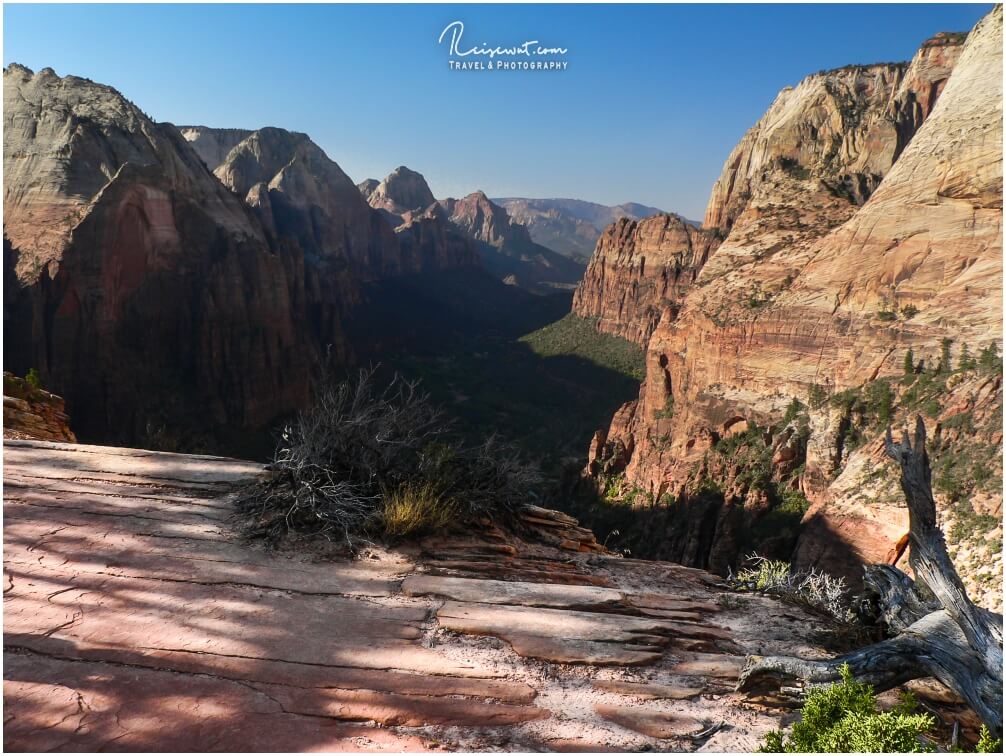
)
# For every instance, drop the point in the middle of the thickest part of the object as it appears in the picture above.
(570, 226)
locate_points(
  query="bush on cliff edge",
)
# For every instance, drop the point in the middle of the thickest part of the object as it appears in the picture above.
(365, 461)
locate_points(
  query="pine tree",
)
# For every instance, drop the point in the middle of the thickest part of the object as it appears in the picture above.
(966, 361)
(909, 362)
(945, 356)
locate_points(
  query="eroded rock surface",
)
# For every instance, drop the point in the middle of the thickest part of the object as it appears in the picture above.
(862, 218)
(135, 619)
(30, 412)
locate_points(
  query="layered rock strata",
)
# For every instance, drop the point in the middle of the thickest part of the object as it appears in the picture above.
(125, 585)
(863, 218)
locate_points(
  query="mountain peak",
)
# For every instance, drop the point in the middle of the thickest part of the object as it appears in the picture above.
(403, 190)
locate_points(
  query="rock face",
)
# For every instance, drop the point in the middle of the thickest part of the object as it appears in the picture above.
(640, 272)
(165, 301)
(307, 200)
(507, 248)
(30, 412)
(429, 241)
(862, 192)
(213, 145)
(570, 227)
(403, 190)
(126, 586)
(136, 283)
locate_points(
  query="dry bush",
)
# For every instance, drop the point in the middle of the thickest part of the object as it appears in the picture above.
(812, 587)
(380, 461)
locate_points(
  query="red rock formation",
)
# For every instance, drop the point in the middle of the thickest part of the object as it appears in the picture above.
(507, 249)
(836, 222)
(640, 272)
(145, 291)
(32, 413)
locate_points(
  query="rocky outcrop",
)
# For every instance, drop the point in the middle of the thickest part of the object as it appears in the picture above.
(166, 302)
(402, 191)
(864, 220)
(31, 412)
(141, 289)
(570, 227)
(126, 585)
(842, 128)
(507, 248)
(429, 241)
(309, 202)
(640, 272)
(213, 145)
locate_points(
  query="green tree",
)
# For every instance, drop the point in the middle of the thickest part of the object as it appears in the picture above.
(989, 360)
(966, 361)
(945, 361)
(32, 379)
(909, 362)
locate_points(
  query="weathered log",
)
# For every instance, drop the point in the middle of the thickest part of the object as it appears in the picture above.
(937, 630)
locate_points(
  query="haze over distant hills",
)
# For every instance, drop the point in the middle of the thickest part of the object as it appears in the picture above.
(570, 226)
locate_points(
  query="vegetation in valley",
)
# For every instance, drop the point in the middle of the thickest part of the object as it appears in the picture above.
(380, 461)
(845, 718)
(573, 335)
(494, 356)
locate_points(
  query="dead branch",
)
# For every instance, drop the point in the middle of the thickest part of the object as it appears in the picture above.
(937, 629)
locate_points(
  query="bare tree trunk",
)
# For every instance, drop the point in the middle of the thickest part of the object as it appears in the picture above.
(943, 635)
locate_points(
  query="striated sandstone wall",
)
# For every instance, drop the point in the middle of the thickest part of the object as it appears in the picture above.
(640, 272)
(841, 213)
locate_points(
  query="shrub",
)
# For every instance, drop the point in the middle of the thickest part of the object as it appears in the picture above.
(33, 379)
(887, 316)
(909, 311)
(988, 744)
(367, 461)
(668, 409)
(811, 588)
(843, 718)
(793, 410)
(415, 507)
(817, 395)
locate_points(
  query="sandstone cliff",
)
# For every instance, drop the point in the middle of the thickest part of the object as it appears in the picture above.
(864, 216)
(213, 145)
(640, 272)
(139, 286)
(507, 248)
(403, 190)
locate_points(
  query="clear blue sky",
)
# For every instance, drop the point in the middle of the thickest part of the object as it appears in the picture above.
(654, 98)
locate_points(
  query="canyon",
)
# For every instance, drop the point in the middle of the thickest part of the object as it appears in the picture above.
(180, 286)
(856, 226)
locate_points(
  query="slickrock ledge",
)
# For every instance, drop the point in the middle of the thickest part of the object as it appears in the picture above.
(136, 619)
